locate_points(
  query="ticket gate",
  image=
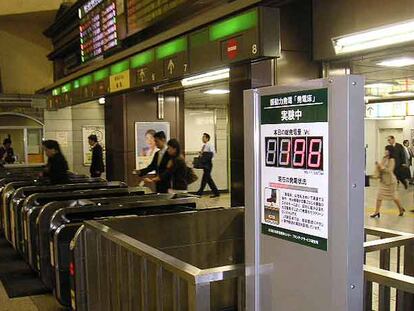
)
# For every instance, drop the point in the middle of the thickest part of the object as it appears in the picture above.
(48, 203)
(20, 195)
(157, 261)
(67, 221)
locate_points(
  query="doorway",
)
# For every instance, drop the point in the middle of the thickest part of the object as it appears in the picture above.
(383, 134)
(26, 135)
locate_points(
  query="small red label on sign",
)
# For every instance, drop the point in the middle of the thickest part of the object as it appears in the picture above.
(232, 48)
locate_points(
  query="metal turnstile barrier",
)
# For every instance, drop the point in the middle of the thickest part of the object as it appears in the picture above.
(190, 261)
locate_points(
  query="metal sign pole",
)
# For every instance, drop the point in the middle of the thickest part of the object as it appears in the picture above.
(305, 203)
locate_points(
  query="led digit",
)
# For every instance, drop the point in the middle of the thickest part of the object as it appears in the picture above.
(284, 154)
(271, 148)
(315, 153)
(299, 152)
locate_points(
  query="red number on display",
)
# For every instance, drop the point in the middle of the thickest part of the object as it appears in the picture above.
(299, 150)
(271, 152)
(315, 153)
(284, 155)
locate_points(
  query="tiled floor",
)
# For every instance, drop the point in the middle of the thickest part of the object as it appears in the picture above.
(389, 219)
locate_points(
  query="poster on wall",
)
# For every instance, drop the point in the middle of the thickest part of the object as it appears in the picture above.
(294, 164)
(144, 141)
(87, 130)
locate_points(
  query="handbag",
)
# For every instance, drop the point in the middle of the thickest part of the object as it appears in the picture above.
(191, 176)
(197, 162)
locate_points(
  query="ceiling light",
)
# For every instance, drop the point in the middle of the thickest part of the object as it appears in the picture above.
(216, 92)
(402, 93)
(207, 77)
(397, 62)
(374, 38)
(378, 85)
(371, 97)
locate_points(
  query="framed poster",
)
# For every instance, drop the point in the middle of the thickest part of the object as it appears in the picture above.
(87, 130)
(145, 147)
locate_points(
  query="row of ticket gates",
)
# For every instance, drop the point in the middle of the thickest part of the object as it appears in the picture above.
(102, 245)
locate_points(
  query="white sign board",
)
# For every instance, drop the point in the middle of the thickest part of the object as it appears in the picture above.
(294, 164)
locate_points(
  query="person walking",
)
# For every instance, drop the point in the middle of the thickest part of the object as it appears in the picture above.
(6, 152)
(158, 164)
(97, 165)
(57, 166)
(408, 158)
(400, 161)
(388, 182)
(176, 170)
(206, 163)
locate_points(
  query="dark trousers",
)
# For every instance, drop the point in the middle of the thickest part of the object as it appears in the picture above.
(208, 180)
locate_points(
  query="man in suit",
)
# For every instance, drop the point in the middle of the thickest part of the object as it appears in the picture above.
(97, 165)
(400, 161)
(206, 162)
(159, 162)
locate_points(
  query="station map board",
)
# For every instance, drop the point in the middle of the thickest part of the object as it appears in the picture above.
(295, 167)
(97, 28)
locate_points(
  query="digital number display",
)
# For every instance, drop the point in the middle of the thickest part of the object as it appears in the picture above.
(294, 152)
(98, 28)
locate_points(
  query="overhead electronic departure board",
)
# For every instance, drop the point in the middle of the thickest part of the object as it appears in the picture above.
(98, 28)
(142, 14)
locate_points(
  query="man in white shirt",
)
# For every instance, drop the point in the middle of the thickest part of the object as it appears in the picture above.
(206, 162)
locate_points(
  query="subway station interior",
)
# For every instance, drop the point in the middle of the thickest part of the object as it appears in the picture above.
(202, 155)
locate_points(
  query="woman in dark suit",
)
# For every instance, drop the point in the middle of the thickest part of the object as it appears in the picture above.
(176, 170)
(57, 166)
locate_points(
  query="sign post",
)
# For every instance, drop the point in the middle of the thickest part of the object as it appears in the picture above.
(304, 209)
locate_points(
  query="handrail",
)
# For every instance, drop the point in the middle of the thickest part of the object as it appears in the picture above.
(386, 233)
(389, 278)
(386, 243)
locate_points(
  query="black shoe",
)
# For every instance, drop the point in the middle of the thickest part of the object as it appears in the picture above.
(375, 215)
(199, 194)
(215, 196)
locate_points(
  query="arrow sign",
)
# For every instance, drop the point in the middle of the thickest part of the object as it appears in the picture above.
(171, 66)
(142, 75)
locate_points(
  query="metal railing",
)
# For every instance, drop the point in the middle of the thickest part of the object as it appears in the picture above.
(382, 282)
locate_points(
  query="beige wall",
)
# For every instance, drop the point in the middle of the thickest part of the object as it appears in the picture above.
(332, 18)
(9, 7)
(24, 66)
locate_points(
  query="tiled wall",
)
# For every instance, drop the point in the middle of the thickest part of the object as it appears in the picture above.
(67, 123)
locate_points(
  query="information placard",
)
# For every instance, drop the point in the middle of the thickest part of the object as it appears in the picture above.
(295, 167)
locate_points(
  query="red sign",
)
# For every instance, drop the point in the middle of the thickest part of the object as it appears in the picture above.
(232, 48)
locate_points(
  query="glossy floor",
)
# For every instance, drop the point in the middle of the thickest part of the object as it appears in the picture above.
(389, 220)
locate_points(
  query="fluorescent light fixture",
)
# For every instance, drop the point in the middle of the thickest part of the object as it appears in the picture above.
(385, 118)
(217, 75)
(374, 38)
(397, 62)
(371, 97)
(402, 93)
(101, 100)
(378, 85)
(217, 92)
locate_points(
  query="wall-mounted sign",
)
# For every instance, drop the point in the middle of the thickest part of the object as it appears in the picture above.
(98, 28)
(386, 110)
(88, 130)
(250, 35)
(294, 166)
